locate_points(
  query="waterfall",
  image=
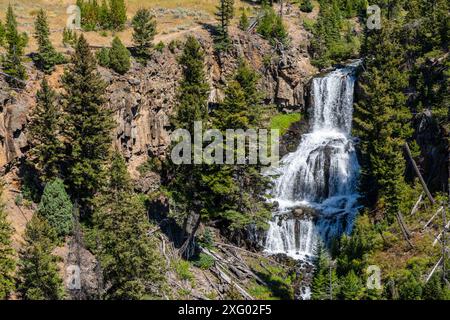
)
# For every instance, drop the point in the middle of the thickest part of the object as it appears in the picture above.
(316, 186)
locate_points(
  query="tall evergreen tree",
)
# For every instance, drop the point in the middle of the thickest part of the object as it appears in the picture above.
(56, 207)
(123, 226)
(351, 287)
(320, 289)
(38, 271)
(43, 130)
(7, 262)
(15, 45)
(117, 14)
(191, 106)
(144, 30)
(103, 15)
(382, 121)
(193, 93)
(225, 14)
(87, 125)
(47, 57)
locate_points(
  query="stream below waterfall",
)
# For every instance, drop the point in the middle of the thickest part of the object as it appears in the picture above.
(316, 186)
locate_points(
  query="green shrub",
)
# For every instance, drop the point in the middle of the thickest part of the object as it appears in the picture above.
(160, 46)
(69, 37)
(204, 261)
(18, 200)
(103, 57)
(119, 57)
(243, 21)
(306, 6)
(271, 27)
(175, 44)
(182, 268)
(56, 207)
(206, 240)
(152, 164)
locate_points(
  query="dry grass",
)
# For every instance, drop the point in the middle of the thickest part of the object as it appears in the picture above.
(174, 17)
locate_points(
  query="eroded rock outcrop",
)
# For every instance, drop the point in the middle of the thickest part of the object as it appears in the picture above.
(143, 99)
(14, 108)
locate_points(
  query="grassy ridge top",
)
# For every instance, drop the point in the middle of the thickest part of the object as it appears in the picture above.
(173, 16)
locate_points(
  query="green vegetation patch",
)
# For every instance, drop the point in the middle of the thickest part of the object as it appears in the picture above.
(282, 122)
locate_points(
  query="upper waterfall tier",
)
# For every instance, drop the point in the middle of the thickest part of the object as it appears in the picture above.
(321, 174)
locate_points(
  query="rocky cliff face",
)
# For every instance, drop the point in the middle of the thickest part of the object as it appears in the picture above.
(14, 107)
(144, 97)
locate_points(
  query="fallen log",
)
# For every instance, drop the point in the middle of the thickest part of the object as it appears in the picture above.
(440, 234)
(219, 270)
(419, 175)
(416, 206)
(433, 270)
(431, 219)
(14, 78)
(226, 278)
(257, 255)
(405, 232)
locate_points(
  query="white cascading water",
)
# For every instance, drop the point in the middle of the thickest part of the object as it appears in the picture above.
(320, 175)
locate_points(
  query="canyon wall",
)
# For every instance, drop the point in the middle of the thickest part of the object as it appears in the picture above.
(144, 97)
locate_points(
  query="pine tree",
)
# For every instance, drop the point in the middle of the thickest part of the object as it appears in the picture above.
(242, 107)
(87, 125)
(271, 26)
(43, 130)
(433, 290)
(38, 271)
(410, 288)
(144, 31)
(119, 57)
(193, 93)
(47, 57)
(233, 110)
(320, 289)
(90, 14)
(103, 15)
(243, 21)
(225, 15)
(351, 287)
(2, 34)
(12, 61)
(7, 262)
(248, 80)
(117, 14)
(103, 57)
(191, 106)
(123, 226)
(56, 207)
(382, 121)
(238, 190)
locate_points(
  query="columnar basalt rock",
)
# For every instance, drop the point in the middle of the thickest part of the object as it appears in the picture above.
(14, 108)
(143, 99)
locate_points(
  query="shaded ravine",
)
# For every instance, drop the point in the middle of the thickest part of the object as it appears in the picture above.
(316, 186)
